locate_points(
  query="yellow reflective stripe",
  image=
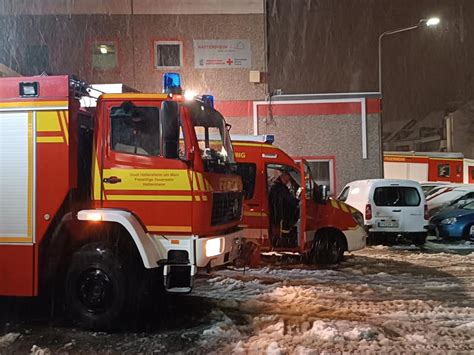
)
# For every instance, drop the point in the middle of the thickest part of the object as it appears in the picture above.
(195, 185)
(252, 144)
(169, 228)
(149, 179)
(204, 198)
(198, 198)
(344, 207)
(50, 139)
(208, 185)
(254, 214)
(64, 125)
(51, 104)
(47, 121)
(30, 176)
(149, 198)
(353, 210)
(201, 182)
(334, 204)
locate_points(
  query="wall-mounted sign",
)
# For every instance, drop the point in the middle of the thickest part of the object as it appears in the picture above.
(222, 53)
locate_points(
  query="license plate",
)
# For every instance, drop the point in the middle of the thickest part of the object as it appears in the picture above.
(388, 224)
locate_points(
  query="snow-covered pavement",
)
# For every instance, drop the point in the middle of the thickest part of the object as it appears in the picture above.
(398, 299)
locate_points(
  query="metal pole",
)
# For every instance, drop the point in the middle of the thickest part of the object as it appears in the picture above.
(387, 33)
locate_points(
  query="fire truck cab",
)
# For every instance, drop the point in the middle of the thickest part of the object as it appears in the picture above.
(324, 227)
(98, 202)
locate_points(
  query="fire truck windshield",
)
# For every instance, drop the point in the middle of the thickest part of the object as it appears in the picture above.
(212, 135)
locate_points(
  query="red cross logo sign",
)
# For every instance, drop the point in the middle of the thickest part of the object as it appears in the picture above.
(229, 61)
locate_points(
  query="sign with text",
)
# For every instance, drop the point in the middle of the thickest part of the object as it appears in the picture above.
(222, 54)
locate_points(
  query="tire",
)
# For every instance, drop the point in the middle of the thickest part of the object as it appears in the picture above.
(420, 239)
(96, 288)
(466, 233)
(328, 248)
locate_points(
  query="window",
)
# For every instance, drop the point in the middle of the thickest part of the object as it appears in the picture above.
(322, 171)
(247, 172)
(135, 130)
(344, 194)
(168, 54)
(399, 196)
(104, 56)
(443, 170)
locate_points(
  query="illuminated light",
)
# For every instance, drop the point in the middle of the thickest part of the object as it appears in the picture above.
(92, 217)
(103, 49)
(208, 100)
(172, 83)
(189, 95)
(433, 21)
(213, 247)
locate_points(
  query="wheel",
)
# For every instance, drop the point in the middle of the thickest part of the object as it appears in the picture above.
(420, 239)
(328, 248)
(96, 287)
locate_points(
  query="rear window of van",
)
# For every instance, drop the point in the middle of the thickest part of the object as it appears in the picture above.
(396, 196)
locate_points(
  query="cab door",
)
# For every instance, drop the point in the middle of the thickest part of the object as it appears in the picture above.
(307, 207)
(141, 170)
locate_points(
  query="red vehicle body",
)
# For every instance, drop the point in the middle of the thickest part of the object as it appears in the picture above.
(87, 195)
(326, 227)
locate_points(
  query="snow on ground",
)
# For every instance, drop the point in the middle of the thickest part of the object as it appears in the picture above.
(381, 299)
(8, 339)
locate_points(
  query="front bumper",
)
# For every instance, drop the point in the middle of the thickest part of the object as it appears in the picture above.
(356, 238)
(210, 256)
(446, 230)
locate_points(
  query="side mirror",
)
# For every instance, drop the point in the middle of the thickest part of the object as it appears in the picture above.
(170, 129)
(323, 194)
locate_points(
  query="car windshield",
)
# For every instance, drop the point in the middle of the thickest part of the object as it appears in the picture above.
(212, 134)
(469, 205)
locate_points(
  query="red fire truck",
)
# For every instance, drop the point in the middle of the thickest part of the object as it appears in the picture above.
(429, 166)
(98, 202)
(325, 228)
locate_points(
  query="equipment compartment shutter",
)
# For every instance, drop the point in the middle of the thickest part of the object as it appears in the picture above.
(15, 177)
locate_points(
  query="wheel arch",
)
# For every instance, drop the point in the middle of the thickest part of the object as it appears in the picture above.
(333, 231)
(131, 225)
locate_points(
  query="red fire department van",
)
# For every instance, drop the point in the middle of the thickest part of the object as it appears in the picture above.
(97, 202)
(325, 228)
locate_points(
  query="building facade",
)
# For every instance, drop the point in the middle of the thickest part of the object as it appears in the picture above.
(218, 47)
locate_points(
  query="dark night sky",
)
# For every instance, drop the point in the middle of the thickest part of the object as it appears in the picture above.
(318, 46)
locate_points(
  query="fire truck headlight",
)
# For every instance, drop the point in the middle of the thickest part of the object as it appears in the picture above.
(213, 247)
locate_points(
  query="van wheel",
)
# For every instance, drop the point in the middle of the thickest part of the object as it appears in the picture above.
(327, 248)
(96, 287)
(420, 239)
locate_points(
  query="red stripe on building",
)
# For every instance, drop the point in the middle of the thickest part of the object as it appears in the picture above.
(245, 108)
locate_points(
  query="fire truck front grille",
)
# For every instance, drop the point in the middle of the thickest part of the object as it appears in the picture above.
(226, 207)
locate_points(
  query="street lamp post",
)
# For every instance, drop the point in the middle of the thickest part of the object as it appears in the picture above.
(428, 22)
(433, 21)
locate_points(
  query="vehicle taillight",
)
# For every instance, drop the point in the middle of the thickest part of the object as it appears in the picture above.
(368, 212)
(427, 216)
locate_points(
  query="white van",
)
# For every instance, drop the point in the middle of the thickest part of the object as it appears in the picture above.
(391, 208)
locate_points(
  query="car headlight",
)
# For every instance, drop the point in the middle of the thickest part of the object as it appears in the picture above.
(450, 220)
(213, 247)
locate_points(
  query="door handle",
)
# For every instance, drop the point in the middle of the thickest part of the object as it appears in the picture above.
(253, 204)
(111, 180)
(396, 210)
